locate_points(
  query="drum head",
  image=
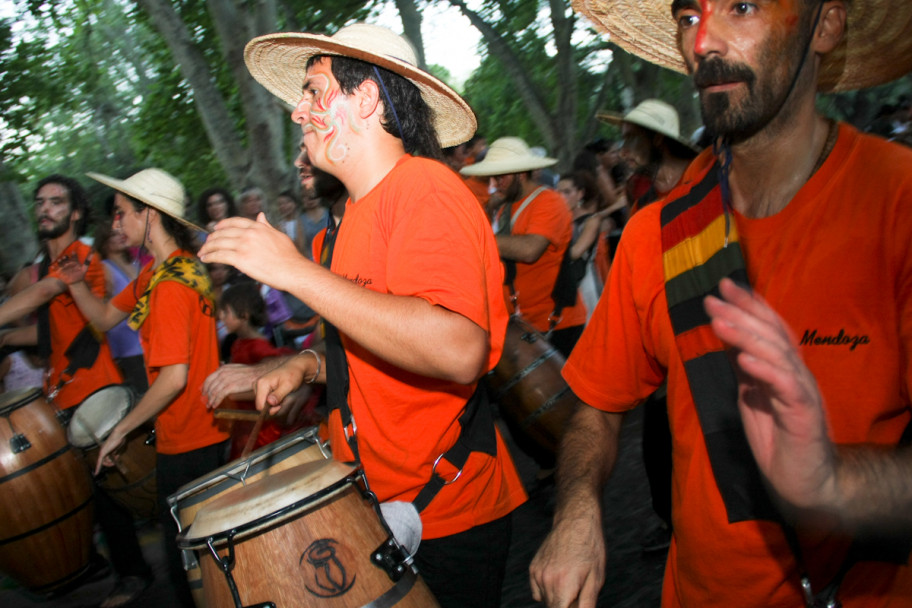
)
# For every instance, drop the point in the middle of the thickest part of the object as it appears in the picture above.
(303, 486)
(13, 400)
(97, 416)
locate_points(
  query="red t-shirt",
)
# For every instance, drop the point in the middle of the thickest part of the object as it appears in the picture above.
(421, 233)
(548, 216)
(836, 264)
(66, 321)
(180, 328)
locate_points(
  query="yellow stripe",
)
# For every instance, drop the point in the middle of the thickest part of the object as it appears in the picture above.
(696, 250)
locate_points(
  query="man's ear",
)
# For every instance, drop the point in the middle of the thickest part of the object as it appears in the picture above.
(368, 98)
(832, 27)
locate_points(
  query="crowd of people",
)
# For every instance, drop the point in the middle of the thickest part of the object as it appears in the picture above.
(723, 283)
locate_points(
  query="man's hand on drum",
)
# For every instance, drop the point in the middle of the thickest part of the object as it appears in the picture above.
(109, 450)
(569, 567)
(273, 388)
(236, 381)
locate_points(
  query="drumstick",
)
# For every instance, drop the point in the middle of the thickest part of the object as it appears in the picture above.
(224, 413)
(255, 432)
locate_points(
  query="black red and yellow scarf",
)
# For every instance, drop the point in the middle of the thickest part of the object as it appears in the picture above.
(185, 270)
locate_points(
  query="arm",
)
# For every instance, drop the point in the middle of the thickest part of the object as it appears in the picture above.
(405, 331)
(525, 248)
(103, 315)
(785, 423)
(20, 336)
(237, 381)
(587, 236)
(570, 564)
(29, 299)
(171, 380)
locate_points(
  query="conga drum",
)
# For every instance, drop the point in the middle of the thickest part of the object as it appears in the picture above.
(529, 388)
(285, 453)
(45, 496)
(131, 483)
(305, 537)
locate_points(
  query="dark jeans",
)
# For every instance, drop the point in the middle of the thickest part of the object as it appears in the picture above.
(466, 570)
(172, 472)
(657, 453)
(120, 535)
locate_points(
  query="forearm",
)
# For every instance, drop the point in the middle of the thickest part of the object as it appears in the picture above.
(20, 336)
(167, 386)
(586, 238)
(405, 331)
(29, 299)
(587, 454)
(100, 313)
(873, 489)
(525, 248)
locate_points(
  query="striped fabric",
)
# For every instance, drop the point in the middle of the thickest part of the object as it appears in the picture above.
(696, 255)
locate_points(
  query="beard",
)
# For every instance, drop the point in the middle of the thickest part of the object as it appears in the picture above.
(55, 231)
(326, 187)
(513, 191)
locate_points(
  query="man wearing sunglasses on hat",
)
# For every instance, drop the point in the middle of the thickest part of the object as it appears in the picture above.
(787, 399)
(413, 303)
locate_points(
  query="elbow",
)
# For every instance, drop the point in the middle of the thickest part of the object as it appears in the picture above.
(469, 365)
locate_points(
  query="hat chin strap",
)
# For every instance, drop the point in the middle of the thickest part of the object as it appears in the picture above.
(392, 107)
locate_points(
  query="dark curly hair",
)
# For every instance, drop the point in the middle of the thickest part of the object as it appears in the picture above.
(245, 300)
(415, 117)
(203, 214)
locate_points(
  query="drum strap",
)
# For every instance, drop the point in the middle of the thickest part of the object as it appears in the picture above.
(476, 422)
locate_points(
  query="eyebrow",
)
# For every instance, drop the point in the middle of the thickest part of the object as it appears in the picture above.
(678, 5)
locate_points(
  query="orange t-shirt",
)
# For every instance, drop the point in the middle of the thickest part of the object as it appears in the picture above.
(180, 329)
(421, 233)
(836, 264)
(66, 321)
(548, 216)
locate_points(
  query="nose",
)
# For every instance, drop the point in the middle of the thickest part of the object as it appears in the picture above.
(301, 112)
(708, 38)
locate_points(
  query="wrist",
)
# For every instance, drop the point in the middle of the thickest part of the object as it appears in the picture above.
(312, 372)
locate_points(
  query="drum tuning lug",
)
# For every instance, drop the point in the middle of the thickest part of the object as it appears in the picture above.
(391, 557)
(19, 443)
(529, 337)
(150, 438)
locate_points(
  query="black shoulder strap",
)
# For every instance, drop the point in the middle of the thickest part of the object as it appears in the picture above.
(476, 423)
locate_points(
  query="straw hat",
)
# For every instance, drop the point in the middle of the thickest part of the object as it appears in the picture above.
(508, 155)
(154, 187)
(877, 47)
(652, 114)
(278, 61)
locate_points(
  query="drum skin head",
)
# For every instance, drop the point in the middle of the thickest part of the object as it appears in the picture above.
(13, 400)
(98, 415)
(258, 501)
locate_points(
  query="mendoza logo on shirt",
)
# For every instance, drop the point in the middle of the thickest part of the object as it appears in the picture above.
(811, 338)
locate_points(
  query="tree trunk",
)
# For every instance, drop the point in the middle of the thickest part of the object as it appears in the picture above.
(16, 233)
(411, 26)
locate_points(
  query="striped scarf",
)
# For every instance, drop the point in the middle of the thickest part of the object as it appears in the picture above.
(700, 246)
(185, 270)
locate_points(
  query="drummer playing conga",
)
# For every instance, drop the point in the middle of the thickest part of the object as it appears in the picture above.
(414, 294)
(171, 305)
(79, 361)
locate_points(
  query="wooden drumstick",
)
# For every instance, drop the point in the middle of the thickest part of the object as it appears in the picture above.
(224, 413)
(255, 432)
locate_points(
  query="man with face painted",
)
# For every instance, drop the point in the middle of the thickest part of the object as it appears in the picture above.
(772, 289)
(413, 296)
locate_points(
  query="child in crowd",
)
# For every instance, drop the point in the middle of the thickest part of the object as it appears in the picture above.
(243, 312)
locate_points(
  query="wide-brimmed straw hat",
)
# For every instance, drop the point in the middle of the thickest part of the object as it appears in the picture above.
(154, 187)
(653, 114)
(278, 62)
(508, 155)
(877, 47)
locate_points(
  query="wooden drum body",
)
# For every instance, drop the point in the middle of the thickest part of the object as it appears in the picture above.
(289, 451)
(132, 482)
(46, 504)
(305, 537)
(529, 388)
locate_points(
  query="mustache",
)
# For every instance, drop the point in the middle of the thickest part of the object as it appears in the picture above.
(716, 71)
